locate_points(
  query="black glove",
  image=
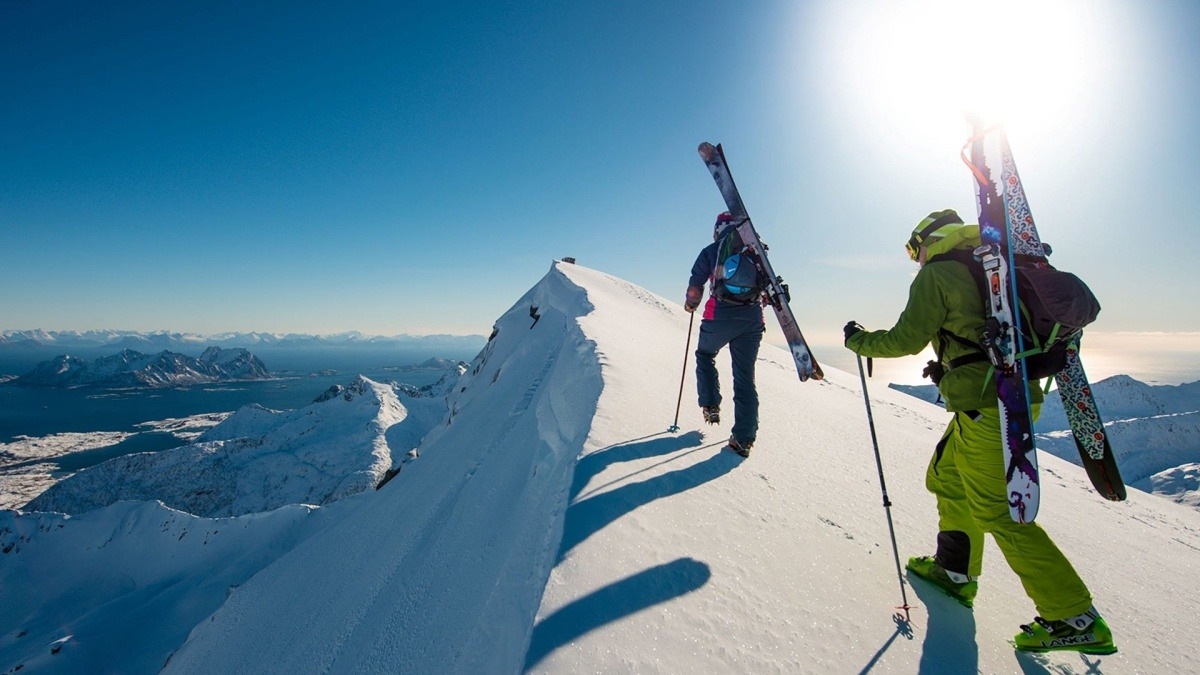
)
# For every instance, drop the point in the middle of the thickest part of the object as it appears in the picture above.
(851, 328)
(934, 371)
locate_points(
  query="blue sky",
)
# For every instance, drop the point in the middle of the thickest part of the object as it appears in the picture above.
(414, 167)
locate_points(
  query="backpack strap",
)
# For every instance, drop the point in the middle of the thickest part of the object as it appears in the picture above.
(977, 353)
(967, 258)
(975, 356)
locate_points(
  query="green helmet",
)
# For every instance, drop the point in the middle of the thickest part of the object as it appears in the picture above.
(936, 225)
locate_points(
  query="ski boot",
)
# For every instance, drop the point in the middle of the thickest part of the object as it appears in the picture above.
(712, 414)
(927, 568)
(1087, 633)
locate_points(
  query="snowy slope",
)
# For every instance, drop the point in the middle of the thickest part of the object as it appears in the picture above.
(553, 525)
(118, 588)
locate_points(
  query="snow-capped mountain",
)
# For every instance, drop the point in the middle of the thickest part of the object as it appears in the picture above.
(256, 460)
(130, 368)
(1123, 398)
(259, 459)
(552, 524)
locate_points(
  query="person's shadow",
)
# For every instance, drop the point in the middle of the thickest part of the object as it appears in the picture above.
(589, 513)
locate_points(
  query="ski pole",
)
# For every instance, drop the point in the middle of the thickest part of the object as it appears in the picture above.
(887, 503)
(691, 322)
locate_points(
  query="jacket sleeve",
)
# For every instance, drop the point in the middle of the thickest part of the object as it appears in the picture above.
(702, 269)
(924, 314)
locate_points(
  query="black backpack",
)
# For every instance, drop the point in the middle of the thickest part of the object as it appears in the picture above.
(1055, 305)
(737, 277)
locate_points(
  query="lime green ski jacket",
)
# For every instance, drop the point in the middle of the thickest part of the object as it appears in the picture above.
(943, 295)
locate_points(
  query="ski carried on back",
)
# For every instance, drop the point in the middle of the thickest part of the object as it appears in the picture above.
(1010, 238)
(1087, 428)
(1002, 339)
(776, 291)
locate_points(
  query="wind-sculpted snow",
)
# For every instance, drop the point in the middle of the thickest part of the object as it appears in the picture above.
(256, 460)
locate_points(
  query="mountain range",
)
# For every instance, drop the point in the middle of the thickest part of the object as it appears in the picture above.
(129, 368)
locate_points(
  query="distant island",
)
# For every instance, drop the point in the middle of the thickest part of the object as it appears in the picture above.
(133, 369)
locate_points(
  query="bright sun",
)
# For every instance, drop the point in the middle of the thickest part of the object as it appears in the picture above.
(1025, 62)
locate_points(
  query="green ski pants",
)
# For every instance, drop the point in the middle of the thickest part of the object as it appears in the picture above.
(967, 477)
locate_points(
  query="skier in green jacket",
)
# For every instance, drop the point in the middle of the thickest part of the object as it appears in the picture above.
(967, 473)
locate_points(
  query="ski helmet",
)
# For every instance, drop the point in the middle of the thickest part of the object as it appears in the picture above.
(934, 226)
(724, 220)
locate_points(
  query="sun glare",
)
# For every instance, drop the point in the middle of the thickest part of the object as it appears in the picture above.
(1024, 62)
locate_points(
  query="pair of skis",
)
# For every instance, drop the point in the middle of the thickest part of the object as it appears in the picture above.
(1007, 229)
(776, 292)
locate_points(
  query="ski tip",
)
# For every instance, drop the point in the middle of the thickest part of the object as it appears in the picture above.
(707, 150)
(815, 375)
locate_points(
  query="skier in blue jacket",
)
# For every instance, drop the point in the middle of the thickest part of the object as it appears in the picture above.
(737, 324)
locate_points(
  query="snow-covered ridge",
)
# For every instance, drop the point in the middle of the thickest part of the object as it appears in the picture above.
(129, 368)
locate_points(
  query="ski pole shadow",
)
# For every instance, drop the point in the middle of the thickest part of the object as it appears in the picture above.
(950, 644)
(584, 517)
(903, 628)
(618, 599)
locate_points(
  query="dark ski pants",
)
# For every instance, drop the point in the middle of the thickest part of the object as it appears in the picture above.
(743, 335)
(967, 476)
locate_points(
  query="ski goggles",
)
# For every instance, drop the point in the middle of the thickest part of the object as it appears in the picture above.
(913, 247)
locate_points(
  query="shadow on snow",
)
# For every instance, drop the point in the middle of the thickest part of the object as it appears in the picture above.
(589, 513)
